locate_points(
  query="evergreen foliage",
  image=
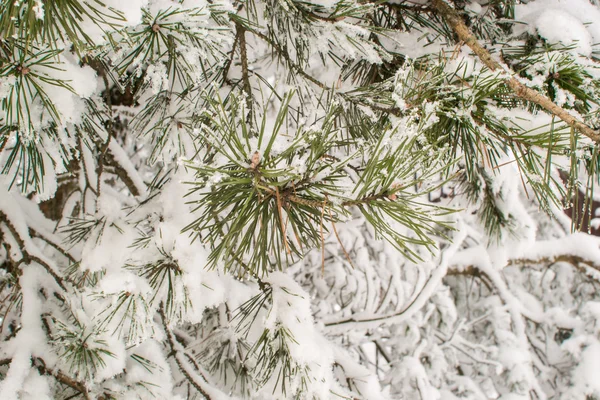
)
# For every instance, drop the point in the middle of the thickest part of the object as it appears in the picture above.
(283, 199)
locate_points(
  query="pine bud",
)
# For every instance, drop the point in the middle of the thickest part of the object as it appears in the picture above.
(393, 196)
(23, 69)
(255, 160)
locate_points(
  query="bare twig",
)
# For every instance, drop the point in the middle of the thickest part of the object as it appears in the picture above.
(229, 61)
(279, 207)
(340, 240)
(568, 258)
(474, 272)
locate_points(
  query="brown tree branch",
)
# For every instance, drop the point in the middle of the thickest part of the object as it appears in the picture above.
(578, 262)
(112, 160)
(59, 376)
(474, 272)
(465, 35)
(64, 379)
(241, 36)
(50, 241)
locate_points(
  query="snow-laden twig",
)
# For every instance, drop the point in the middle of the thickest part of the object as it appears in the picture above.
(198, 381)
(64, 379)
(29, 251)
(359, 321)
(126, 170)
(30, 340)
(466, 36)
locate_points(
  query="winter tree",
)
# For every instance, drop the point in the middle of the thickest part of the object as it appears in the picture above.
(283, 199)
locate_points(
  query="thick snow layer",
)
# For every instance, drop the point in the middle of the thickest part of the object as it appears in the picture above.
(570, 22)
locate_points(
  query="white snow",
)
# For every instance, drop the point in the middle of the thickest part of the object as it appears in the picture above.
(570, 22)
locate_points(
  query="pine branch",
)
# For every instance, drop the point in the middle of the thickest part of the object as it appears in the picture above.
(196, 380)
(64, 379)
(300, 71)
(27, 257)
(397, 317)
(229, 61)
(473, 270)
(522, 91)
(52, 242)
(574, 260)
(116, 157)
(241, 36)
